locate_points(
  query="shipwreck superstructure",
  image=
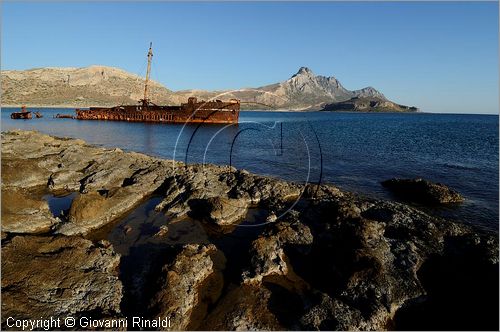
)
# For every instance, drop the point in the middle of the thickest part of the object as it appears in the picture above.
(194, 111)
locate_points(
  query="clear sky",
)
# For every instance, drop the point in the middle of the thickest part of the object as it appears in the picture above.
(441, 57)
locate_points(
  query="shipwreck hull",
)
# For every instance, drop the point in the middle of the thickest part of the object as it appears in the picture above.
(191, 112)
(212, 111)
(21, 115)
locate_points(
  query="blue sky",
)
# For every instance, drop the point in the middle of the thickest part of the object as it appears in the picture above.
(441, 57)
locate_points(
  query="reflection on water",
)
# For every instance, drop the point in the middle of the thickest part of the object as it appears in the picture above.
(353, 151)
(59, 205)
(145, 225)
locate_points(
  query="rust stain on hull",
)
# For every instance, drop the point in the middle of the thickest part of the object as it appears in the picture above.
(191, 112)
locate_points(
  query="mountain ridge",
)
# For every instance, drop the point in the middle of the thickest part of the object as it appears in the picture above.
(99, 85)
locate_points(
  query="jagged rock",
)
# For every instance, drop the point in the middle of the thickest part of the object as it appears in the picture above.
(331, 314)
(368, 264)
(260, 189)
(268, 251)
(189, 285)
(219, 210)
(422, 191)
(243, 309)
(192, 183)
(321, 192)
(163, 231)
(271, 217)
(59, 276)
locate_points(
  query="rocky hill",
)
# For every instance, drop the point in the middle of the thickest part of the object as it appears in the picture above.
(306, 90)
(368, 104)
(95, 85)
(108, 86)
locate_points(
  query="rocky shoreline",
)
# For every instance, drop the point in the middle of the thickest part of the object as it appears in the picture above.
(313, 257)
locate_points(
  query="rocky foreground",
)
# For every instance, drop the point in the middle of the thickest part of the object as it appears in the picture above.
(319, 259)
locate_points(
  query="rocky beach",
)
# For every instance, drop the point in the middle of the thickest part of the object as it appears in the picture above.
(231, 250)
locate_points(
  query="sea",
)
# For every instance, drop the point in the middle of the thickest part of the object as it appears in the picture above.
(354, 151)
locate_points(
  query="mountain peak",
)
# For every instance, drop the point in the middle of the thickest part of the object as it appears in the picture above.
(369, 91)
(304, 71)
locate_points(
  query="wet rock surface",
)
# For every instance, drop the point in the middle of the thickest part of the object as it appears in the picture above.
(58, 276)
(422, 191)
(220, 248)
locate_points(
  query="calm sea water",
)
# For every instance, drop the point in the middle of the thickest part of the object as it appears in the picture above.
(351, 150)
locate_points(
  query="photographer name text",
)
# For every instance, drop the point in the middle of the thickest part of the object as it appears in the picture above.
(83, 323)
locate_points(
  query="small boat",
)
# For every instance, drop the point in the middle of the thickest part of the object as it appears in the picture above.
(38, 115)
(24, 114)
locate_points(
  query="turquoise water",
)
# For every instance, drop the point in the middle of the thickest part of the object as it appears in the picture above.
(354, 151)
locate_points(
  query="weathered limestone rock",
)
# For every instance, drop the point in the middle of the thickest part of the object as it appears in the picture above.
(337, 261)
(422, 191)
(29, 158)
(366, 260)
(320, 192)
(220, 210)
(257, 189)
(23, 214)
(189, 285)
(33, 145)
(243, 309)
(268, 251)
(110, 181)
(23, 173)
(58, 276)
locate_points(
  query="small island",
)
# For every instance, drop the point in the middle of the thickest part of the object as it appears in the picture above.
(368, 104)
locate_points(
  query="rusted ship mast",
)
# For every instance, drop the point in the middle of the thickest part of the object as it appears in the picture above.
(145, 101)
(212, 111)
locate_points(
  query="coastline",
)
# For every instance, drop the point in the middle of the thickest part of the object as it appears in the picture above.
(83, 107)
(311, 244)
(73, 107)
(306, 110)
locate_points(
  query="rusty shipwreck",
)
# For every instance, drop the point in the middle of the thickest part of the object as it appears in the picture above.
(24, 114)
(194, 111)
